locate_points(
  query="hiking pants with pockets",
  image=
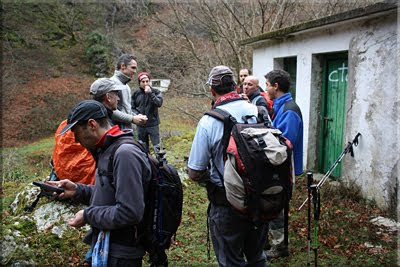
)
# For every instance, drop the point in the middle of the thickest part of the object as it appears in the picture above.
(153, 132)
(236, 241)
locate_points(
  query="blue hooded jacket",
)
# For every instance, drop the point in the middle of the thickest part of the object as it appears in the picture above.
(291, 126)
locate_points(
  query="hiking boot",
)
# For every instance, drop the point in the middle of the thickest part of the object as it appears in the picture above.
(277, 252)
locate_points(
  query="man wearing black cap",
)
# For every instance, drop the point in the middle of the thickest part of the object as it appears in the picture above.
(115, 205)
(236, 241)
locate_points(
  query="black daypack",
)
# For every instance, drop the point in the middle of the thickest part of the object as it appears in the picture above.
(258, 165)
(163, 205)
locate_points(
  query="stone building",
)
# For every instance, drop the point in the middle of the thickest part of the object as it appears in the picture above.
(344, 71)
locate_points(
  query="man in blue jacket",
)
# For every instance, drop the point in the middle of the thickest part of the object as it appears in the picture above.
(114, 205)
(289, 121)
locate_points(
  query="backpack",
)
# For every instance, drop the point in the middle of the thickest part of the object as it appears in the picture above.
(163, 204)
(258, 166)
(71, 160)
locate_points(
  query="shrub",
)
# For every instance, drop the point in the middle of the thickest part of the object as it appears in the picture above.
(47, 115)
(98, 53)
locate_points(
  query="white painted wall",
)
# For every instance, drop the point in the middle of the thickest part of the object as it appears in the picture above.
(372, 109)
(372, 99)
(303, 47)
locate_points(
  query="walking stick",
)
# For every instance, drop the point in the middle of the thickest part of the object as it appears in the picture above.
(347, 149)
(317, 206)
(309, 182)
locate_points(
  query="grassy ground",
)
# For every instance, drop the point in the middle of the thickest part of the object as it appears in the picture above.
(344, 234)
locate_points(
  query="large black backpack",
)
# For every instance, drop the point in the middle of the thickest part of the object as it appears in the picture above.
(163, 205)
(258, 165)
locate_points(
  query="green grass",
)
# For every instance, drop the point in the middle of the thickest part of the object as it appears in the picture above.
(190, 247)
(343, 230)
(344, 227)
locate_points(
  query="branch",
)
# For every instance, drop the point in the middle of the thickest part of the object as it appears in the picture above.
(184, 33)
(236, 18)
(195, 94)
(277, 16)
(190, 115)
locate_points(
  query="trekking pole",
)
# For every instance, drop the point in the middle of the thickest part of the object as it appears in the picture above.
(309, 182)
(347, 149)
(317, 205)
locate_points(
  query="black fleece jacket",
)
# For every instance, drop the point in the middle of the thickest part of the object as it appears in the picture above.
(147, 104)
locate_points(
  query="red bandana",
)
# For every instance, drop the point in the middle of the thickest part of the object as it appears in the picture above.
(226, 97)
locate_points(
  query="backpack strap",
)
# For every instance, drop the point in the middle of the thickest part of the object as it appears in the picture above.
(228, 121)
(291, 105)
(117, 144)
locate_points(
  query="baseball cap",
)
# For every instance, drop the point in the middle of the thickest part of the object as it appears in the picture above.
(85, 110)
(220, 76)
(102, 86)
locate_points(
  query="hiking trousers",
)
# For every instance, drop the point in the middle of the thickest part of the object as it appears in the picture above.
(277, 230)
(236, 240)
(153, 132)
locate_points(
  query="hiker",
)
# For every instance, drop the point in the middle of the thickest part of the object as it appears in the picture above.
(106, 91)
(118, 205)
(243, 73)
(125, 68)
(235, 238)
(288, 119)
(253, 92)
(146, 101)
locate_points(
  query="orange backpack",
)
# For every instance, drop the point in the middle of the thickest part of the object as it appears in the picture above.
(71, 160)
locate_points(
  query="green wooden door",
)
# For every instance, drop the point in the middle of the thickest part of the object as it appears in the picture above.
(334, 101)
(290, 66)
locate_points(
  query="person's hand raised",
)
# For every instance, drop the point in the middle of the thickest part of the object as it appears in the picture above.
(147, 89)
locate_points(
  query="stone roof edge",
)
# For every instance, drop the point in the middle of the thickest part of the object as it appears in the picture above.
(348, 15)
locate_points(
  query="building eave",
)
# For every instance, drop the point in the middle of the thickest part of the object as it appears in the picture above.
(322, 22)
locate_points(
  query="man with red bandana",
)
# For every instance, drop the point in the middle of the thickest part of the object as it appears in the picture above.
(116, 205)
(147, 100)
(236, 240)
